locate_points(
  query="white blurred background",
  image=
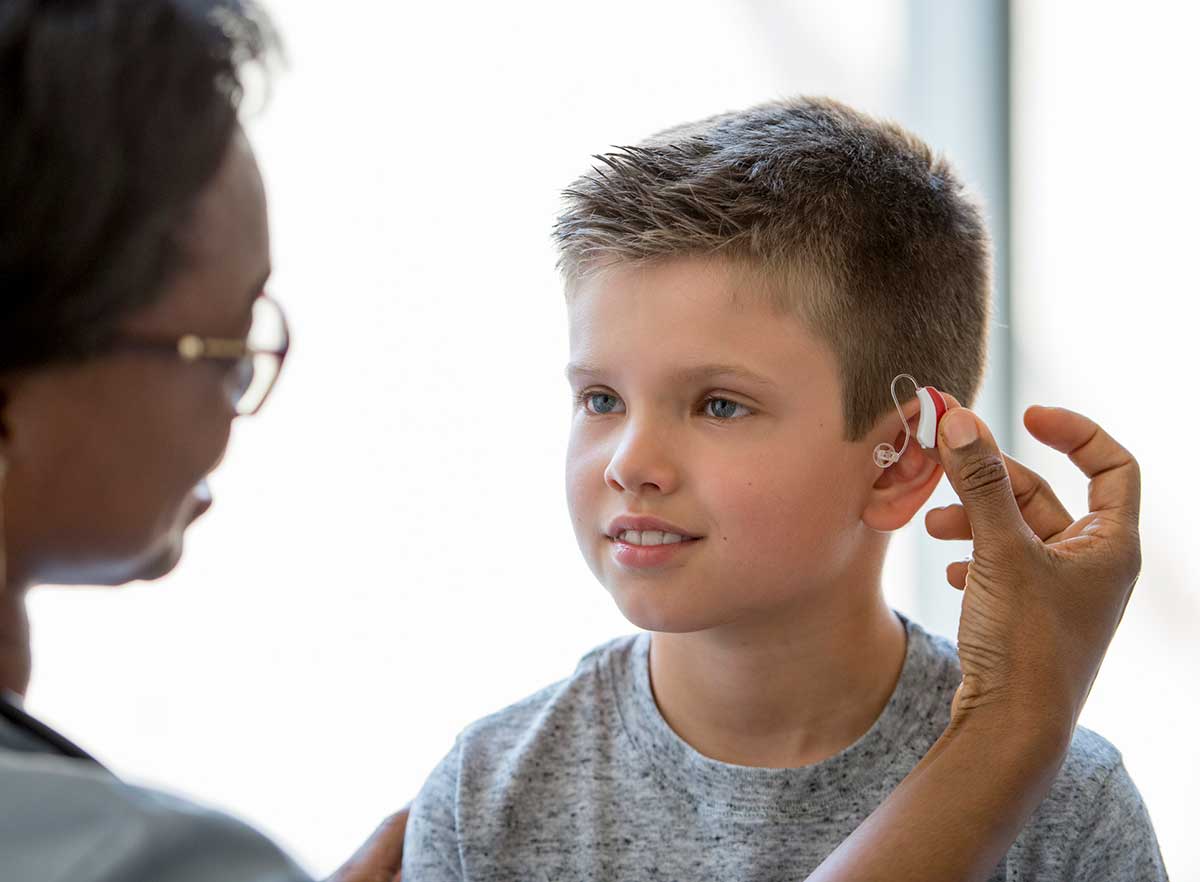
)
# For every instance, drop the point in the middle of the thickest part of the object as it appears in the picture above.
(389, 555)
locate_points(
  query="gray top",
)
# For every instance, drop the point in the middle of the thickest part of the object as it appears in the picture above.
(585, 780)
(64, 817)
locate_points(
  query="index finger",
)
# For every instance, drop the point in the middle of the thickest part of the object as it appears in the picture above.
(1114, 477)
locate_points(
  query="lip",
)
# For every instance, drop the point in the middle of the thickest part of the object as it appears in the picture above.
(620, 524)
(201, 499)
(640, 557)
(647, 556)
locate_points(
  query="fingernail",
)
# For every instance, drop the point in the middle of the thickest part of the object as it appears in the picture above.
(959, 429)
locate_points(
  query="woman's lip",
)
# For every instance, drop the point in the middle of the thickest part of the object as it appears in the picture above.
(648, 556)
(201, 498)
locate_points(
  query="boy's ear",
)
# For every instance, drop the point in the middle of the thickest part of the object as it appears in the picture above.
(900, 491)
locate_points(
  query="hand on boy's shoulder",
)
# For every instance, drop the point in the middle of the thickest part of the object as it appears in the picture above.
(380, 857)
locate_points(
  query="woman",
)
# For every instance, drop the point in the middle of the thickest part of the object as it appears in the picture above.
(134, 330)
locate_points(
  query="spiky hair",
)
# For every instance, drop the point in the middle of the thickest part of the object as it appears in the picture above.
(850, 223)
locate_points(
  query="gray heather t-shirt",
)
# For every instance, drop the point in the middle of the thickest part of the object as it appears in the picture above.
(586, 781)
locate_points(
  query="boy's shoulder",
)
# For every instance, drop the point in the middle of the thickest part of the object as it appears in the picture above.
(1091, 758)
(591, 747)
(1092, 823)
(578, 705)
(583, 704)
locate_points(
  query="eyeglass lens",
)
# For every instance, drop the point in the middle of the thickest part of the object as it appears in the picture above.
(257, 372)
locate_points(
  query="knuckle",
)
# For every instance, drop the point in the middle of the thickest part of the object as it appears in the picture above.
(981, 473)
(1136, 475)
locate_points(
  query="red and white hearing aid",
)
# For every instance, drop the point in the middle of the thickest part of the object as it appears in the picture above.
(933, 408)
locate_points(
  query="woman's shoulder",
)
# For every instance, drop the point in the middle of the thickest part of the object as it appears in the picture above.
(65, 818)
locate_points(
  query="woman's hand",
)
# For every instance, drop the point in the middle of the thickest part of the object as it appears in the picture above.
(1044, 596)
(1044, 592)
(379, 858)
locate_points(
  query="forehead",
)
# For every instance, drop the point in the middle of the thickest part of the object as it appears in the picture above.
(225, 250)
(229, 221)
(667, 317)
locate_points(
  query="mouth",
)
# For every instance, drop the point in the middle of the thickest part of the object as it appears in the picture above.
(201, 499)
(636, 529)
(648, 538)
(641, 541)
(649, 549)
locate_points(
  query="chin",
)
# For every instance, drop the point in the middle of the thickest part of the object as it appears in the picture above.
(651, 609)
(158, 565)
(113, 570)
(150, 563)
(164, 555)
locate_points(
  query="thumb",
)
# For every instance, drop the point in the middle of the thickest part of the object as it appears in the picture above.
(976, 469)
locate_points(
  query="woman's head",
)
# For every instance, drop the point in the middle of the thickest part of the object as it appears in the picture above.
(133, 213)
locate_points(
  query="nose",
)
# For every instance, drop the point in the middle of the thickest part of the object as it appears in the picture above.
(645, 460)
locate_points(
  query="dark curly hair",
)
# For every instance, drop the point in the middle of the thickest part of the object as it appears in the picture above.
(114, 115)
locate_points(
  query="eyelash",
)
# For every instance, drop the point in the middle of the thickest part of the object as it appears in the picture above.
(582, 399)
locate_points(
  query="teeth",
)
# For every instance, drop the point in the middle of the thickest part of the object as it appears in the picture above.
(649, 537)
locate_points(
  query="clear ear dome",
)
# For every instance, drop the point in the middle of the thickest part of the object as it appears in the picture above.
(885, 455)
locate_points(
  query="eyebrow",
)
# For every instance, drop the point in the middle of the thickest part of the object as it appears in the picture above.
(685, 375)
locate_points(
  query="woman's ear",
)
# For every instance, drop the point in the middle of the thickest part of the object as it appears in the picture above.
(903, 487)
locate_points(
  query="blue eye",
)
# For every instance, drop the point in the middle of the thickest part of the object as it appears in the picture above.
(724, 409)
(601, 403)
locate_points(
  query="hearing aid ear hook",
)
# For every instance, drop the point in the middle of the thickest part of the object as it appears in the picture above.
(933, 408)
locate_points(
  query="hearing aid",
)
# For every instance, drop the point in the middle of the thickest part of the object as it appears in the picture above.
(933, 408)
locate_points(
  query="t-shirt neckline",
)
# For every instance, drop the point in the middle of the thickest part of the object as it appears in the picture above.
(720, 786)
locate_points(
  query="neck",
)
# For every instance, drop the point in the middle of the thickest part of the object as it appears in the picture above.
(787, 692)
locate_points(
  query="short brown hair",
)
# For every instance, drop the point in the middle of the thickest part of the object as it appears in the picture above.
(849, 222)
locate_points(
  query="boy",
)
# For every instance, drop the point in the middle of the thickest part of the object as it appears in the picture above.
(741, 293)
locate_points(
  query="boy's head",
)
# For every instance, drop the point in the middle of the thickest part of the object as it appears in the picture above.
(805, 243)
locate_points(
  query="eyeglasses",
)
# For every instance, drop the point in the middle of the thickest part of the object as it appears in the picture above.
(256, 359)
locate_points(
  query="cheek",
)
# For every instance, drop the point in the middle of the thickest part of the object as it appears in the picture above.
(126, 461)
(585, 486)
(182, 427)
(782, 519)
